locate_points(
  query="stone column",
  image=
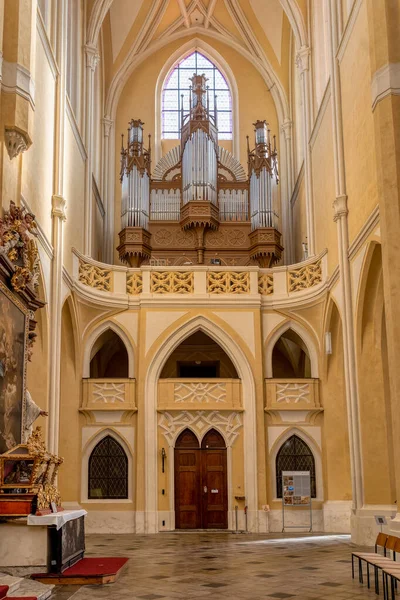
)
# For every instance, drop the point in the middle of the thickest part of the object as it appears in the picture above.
(286, 129)
(303, 64)
(58, 214)
(92, 59)
(107, 192)
(384, 25)
(340, 216)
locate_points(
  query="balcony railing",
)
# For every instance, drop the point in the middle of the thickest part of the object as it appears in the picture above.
(292, 394)
(108, 394)
(199, 394)
(201, 280)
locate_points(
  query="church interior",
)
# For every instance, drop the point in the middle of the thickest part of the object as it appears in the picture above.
(199, 297)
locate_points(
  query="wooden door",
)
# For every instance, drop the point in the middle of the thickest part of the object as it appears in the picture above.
(187, 482)
(214, 482)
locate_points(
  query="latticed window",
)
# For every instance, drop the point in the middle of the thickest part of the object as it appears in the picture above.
(108, 471)
(295, 455)
(178, 85)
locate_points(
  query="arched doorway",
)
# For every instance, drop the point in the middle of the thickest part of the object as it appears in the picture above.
(201, 498)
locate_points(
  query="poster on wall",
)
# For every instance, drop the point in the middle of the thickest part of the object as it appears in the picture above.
(296, 488)
(13, 335)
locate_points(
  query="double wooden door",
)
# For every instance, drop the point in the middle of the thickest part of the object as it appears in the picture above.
(201, 499)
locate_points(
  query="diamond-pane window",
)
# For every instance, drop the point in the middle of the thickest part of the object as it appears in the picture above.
(295, 455)
(178, 86)
(108, 471)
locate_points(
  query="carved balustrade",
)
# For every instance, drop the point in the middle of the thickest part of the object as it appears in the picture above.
(199, 394)
(299, 395)
(108, 394)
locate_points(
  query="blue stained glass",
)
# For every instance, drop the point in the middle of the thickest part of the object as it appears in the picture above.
(178, 84)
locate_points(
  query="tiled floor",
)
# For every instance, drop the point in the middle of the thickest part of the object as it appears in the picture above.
(223, 566)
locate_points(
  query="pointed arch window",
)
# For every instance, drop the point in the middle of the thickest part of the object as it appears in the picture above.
(295, 455)
(175, 94)
(108, 471)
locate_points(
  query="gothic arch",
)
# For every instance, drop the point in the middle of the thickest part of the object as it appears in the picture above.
(308, 339)
(315, 449)
(241, 363)
(209, 52)
(362, 299)
(87, 451)
(95, 334)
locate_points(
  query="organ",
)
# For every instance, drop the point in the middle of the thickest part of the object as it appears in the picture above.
(199, 205)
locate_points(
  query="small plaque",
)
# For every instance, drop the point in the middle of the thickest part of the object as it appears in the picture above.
(214, 491)
(53, 507)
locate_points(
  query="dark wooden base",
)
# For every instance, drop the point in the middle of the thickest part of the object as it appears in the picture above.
(77, 580)
(17, 505)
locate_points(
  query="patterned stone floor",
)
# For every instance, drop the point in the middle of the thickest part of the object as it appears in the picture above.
(224, 566)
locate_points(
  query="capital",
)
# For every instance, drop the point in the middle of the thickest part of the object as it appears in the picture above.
(303, 59)
(107, 124)
(16, 141)
(92, 56)
(286, 127)
(340, 207)
(58, 204)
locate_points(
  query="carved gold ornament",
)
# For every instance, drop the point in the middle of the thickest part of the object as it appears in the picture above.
(134, 284)
(227, 282)
(16, 228)
(95, 277)
(305, 277)
(171, 282)
(265, 284)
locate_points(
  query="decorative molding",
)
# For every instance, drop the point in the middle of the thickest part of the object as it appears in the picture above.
(75, 128)
(303, 59)
(340, 207)
(16, 79)
(97, 197)
(201, 421)
(366, 230)
(16, 141)
(58, 206)
(292, 393)
(171, 282)
(297, 185)
(200, 392)
(385, 82)
(92, 56)
(265, 284)
(286, 128)
(95, 277)
(304, 277)
(44, 38)
(228, 282)
(107, 124)
(134, 283)
(108, 393)
(41, 236)
(321, 113)
(348, 29)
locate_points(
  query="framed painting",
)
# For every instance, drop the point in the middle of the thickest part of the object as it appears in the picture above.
(14, 327)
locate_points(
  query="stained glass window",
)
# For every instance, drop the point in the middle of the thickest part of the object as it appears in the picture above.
(108, 471)
(178, 84)
(295, 455)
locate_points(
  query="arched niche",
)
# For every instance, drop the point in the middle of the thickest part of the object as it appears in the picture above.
(94, 341)
(314, 446)
(295, 455)
(293, 333)
(87, 451)
(109, 357)
(290, 357)
(199, 356)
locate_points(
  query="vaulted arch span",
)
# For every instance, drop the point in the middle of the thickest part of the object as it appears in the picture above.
(95, 335)
(241, 363)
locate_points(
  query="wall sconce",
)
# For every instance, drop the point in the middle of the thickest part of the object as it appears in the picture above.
(163, 457)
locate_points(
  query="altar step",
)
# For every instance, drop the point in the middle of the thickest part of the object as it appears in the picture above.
(17, 588)
(87, 571)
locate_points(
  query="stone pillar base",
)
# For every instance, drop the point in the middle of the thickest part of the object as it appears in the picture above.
(337, 515)
(363, 526)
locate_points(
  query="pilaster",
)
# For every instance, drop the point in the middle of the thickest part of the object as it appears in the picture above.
(286, 129)
(108, 167)
(92, 60)
(59, 216)
(303, 64)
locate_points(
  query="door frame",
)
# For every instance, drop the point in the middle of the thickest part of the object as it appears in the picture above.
(171, 459)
